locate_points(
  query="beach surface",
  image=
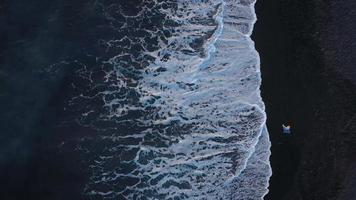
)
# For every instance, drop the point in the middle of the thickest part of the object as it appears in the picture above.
(308, 76)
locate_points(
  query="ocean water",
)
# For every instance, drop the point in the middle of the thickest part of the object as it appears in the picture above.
(164, 97)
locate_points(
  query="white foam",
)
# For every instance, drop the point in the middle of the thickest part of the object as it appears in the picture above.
(202, 133)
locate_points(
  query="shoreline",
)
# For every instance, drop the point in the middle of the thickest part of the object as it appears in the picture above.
(304, 82)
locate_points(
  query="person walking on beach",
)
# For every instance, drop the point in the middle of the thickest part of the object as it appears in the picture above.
(286, 129)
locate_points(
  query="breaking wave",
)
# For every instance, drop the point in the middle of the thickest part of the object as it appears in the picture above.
(172, 97)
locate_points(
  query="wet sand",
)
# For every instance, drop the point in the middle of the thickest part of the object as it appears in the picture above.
(307, 81)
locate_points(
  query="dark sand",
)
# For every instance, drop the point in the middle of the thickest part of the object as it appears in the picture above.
(307, 49)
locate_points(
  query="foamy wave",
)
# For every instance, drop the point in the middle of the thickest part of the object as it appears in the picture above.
(181, 115)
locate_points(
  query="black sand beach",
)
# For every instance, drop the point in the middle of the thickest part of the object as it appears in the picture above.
(308, 77)
(307, 50)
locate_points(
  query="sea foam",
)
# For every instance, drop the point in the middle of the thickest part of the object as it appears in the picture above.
(180, 114)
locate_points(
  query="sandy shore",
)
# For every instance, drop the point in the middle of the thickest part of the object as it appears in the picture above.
(307, 74)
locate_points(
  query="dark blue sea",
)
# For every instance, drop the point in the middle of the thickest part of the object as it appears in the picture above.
(139, 99)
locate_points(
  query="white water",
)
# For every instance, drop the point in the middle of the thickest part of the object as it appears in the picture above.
(225, 103)
(205, 135)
